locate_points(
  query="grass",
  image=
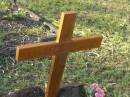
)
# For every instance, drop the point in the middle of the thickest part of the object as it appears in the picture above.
(108, 65)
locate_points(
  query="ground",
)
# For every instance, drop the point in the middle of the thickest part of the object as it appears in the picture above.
(109, 65)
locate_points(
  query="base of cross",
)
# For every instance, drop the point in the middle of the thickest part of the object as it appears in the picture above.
(66, 91)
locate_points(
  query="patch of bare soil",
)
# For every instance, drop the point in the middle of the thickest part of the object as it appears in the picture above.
(67, 91)
(13, 29)
(14, 36)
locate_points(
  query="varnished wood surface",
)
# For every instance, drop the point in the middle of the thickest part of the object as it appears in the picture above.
(37, 50)
(66, 27)
(57, 68)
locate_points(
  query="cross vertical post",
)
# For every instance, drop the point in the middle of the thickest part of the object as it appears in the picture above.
(64, 34)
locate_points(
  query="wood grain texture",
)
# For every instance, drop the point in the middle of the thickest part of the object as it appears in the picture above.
(57, 68)
(30, 51)
(66, 27)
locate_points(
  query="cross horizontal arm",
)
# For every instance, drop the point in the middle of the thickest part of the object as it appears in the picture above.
(30, 51)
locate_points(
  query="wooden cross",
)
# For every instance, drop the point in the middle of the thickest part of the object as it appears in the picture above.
(59, 50)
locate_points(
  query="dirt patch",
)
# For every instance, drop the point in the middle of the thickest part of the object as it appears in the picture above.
(14, 35)
(66, 91)
(72, 91)
(17, 29)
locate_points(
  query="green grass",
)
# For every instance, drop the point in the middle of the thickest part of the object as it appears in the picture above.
(108, 65)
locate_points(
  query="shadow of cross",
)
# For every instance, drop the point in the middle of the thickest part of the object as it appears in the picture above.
(59, 50)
